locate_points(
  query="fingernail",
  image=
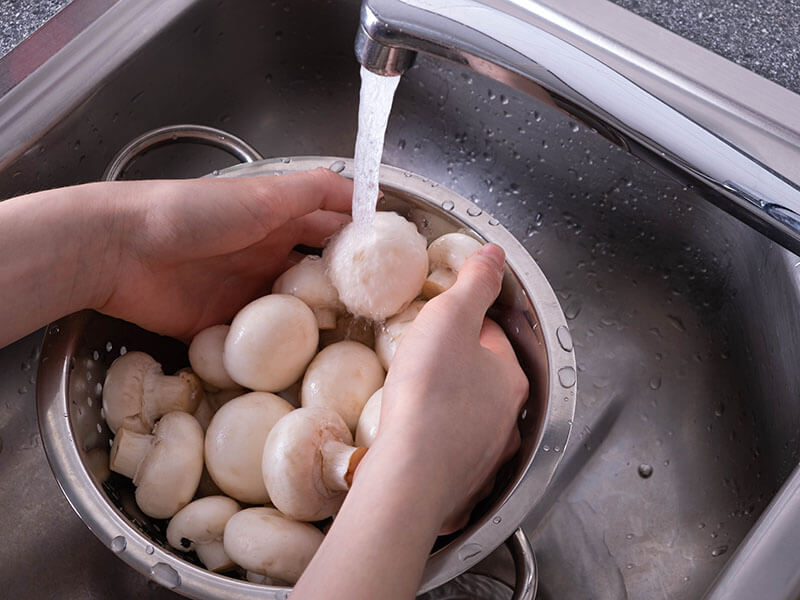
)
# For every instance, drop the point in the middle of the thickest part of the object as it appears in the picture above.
(494, 253)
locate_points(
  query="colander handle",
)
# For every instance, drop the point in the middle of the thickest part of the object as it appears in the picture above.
(524, 565)
(180, 133)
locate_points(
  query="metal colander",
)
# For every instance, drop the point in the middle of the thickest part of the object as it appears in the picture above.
(78, 350)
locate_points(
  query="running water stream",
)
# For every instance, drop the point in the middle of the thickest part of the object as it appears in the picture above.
(377, 93)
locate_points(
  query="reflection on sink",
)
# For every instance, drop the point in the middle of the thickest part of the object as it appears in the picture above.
(681, 316)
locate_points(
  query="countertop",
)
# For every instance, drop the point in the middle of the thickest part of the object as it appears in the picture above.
(760, 35)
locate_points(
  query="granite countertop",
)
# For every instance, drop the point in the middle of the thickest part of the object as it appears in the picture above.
(760, 35)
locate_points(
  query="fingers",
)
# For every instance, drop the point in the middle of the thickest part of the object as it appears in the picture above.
(478, 285)
(317, 227)
(297, 194)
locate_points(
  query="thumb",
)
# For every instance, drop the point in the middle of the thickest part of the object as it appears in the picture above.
(478, 284)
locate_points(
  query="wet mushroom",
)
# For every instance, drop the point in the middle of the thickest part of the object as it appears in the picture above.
(368, 422)
(165, 466)
(389, 334)
(270, 343)
(308, 281)
(136, 393)
(235, 441)
(308, 463)
(205, 356)
(263, 541)
(378, 269)
(342, 377)
(446, 256)
(199, 526)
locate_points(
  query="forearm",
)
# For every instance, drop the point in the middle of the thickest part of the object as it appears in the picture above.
(54, 247)
(381, 538)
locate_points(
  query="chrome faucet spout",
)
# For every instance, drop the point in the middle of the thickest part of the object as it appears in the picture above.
(731, 135)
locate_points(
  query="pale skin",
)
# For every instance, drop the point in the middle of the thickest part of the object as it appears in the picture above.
(178, 256)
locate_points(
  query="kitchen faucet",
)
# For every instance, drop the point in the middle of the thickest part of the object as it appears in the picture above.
(705, 134)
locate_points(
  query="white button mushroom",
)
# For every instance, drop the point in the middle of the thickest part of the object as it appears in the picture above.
(205, 356)
(308, 281)
(165, 466)
(368, 422)
(235, 441)
(263, 541)
(136, 393)
(199, 526)
(342, 377)
(270, 343)
(389, 334)
(446, 256)
(378, 270)
(308, 463)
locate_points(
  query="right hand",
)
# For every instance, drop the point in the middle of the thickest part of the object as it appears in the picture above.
(454, 391)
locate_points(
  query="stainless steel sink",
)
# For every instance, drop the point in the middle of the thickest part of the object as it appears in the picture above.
(684, 319)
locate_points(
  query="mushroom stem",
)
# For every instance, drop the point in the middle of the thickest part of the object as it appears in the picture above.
(214, 557)
(128, 451)
(168, 393)
(339, 463)
(439, 280)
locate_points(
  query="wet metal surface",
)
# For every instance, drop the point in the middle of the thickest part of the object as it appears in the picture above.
(686, 342)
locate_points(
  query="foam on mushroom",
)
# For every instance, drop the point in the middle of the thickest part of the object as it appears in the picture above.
(377, 270)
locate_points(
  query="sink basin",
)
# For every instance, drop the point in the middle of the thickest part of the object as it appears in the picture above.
(682, 317)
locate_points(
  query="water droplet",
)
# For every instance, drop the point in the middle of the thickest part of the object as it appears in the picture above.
(494, 222)
(123, 351)
(574, 127)
(165, 575)
(448, 205)
(676, 322)
(286, 161)
(546, 448)
(149, 549)
(628, 536)
(22, 390)
(109, 346)
(701, 525)
(119, 543)
(567, 376)
(655, 382)
(497, 520)
(629, 566)
(474, 211)
(469, 551)
(645, 470)
(215, 173)
(95, 355)
(564, 338)
(572, 310)
(719, 550)
(337, 166)
(26, 366)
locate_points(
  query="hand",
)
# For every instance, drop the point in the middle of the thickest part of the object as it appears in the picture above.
(455, 389)
(191, 253)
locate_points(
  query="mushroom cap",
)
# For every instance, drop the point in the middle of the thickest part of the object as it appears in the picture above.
(205, 356)
(378, 269)
(168, 476)
(124, 387)
(292, 463)
(235, 441)
(369, 420)
(446, 256)
(342, 377)
(264, 541)
(200, 522)
(270, 343)
(389, 334)
(136, 392)
(309, 281)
